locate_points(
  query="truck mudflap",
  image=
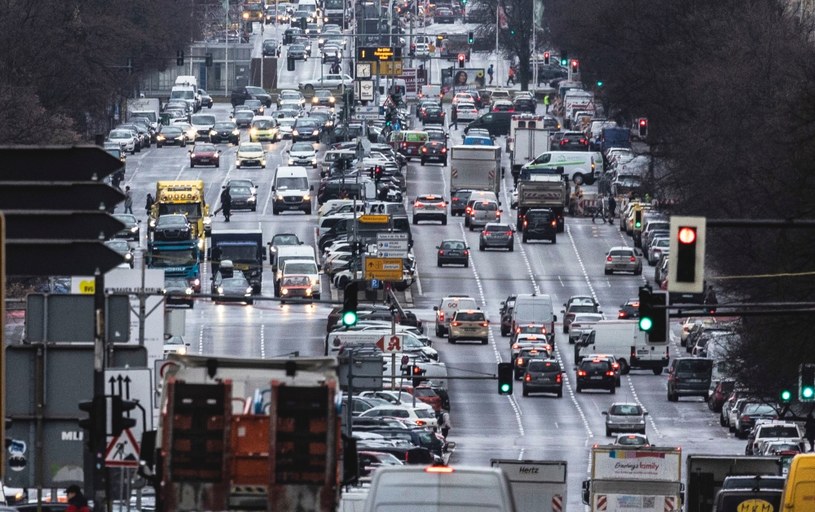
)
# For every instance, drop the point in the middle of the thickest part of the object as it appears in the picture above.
(641, 503)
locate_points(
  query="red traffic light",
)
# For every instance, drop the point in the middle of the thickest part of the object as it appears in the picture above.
(575, 65)
(461, 57)
(687, 235)
(643, 122)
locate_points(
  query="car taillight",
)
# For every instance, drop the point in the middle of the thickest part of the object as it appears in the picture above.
(581, 373)
(608, 258)
(559, 378)
(563, 142)
(622, 314)
(404, 144)
(554, 223)
(525, 223)
(441, 315)
(498, 214)
(616, 366)
(455, 324)
(610, 373)
(583, 141)
(466, 253)
(486, 233)
(424, 150)
(519, 361)
(441, 252)
(484, 324)
(440, 205)
(509, 233)
(632, 259)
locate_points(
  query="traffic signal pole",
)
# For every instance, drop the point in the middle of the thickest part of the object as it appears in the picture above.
(101, 490)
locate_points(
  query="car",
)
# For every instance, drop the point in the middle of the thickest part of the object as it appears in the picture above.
(242, 198)
(424, 104)
(595, 374)
(573, 141)
(539, 224)
(525, 104)
(462, 97)
(638, 440)
(578, 304)
(306, 129)
(444, 15)
(264, 128)
(497, 235)
(583, 322)
(630, 309)
(141, 131)
(430, 207)
(331, 81)
(303, 154)
(436, 134)
(625, 417)
(224, 131)
(295, 286)
(502, 106)
(720, 393)
(322, 97)
(205, 154)
(689, 376)
(433, 151)
(256, 106)
(458, 201)
(469, 324)
(241, 94)
(169, 135)
(323, 115)
(623, 259)
(231, 289)
(752, 413)
(453, 252)
(331, 54)
(127, 139)
(271, 48)
(174, 344)
(432, 114)
(131, 230)
(285, 126)
(243, 118)
(189, 132)
(290, 33)
(466, 111)
(290, 95)
(612, 360)
(297, 52)
(482, 213)
(657, 248)
(542, 376)
(122, 247)
(171, 227)
(177, 290)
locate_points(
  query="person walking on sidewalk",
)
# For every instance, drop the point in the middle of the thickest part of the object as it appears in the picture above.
(511, 77)
(491, 72)
(546, 102)
(128, 200)
(444, 423)
(148, 204)
(453, 117)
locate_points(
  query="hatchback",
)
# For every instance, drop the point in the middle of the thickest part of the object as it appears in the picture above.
(573, 141)
(623, 259)
(497, 235)
(689, 376)
(625, 417)
(434, 151)
(468, 324)
(430, 207)
(525, 354)
(297, 52)
(482, 213)
(595, 374)
(205, 154)
(250, 153)
(432, 113)
(543, 376)
(453, 251)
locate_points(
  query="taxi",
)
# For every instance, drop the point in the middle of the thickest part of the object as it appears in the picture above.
(469, 324)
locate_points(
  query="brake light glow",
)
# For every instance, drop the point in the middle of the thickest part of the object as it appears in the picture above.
(441, 315)
(438, 469)
(455, 324)
(632, 259)
(610, 373)
(608, 258)
(484, 324)
(444, 150)
(554, 223)
(486, 233)
(519, 361)
(424, 150)
(581, 373)
(404, 144)
(441, 252)
(528, 378)
(559, 378)
(420, 422)
(466, 252)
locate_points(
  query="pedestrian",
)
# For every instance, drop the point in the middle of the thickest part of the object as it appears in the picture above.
(612, 206)
(809, 431)
(148, 205)
(546, 102)
(117, 178)
(491, 72)
(77, 502)
(454, 117)
(444, 423)
(511, 76)
(226, 203)
(128, 200)
(215, 259)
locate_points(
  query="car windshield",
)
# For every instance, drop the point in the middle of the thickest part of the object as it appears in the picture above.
(425, 413)
(234, 282)
(779, 431)
(302, 146)
(469, 317)
(263, 124)
(285, 240)
(204, 148)
(240, 191)
(171, 258)
(621, 253)
(120, 134)
(292, 183)
(296, 281)
(244, 114)
(171, 220)
(204, 119)
(453, 245)
(625, 410)
(171, 131)
(630, 441)
(301, 268)
(289, 95)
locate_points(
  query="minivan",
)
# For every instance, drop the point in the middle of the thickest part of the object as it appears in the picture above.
(580, 166)
(689, 376)
(497, 123)
(292, 190)
(535, 309)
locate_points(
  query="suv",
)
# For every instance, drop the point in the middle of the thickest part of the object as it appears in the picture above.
(447, 308)
(689, 376)
(248, 92)
(595, 374)
(458, 201)
(430, 207)
(539, 224)
(469, 325)
(543, 376)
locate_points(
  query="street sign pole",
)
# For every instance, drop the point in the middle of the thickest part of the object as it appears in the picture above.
(101, 480)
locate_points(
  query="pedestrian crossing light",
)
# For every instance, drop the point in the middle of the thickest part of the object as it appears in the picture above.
(349, 304)
(505, 375)
(806, 382)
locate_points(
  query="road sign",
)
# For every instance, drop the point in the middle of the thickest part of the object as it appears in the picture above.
(59, 257)
(69, 225)
(366, 92)
(371, 113)
(70, 317)
(122, 451)
(385, 269)
(392, 245)
(389, 68)
(393, 344)
(134, 384)
(374, 219)
(378, 53)
(67, 163)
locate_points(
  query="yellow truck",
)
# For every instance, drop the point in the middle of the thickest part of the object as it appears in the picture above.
(184, 197)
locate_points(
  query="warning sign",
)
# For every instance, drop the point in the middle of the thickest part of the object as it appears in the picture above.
(122, 451)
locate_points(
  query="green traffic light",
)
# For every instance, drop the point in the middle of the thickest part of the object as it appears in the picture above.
(638, 224)
(808, 392)
(349, 318)
(599, 83)
(646, 323)
(786, 395)
(505, 388)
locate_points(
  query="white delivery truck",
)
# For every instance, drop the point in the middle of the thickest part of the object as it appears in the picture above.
(475, 168)
(145, 107)
(537, 485)
(625, 478)
(624, 340)
(527, 139)
(706, 474)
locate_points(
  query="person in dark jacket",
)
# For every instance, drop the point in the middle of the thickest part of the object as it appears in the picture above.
(226, 203)
(148, 205)
(76, 500)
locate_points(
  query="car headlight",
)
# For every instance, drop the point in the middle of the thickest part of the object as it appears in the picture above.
(284, 291)
(236, 132)
(315, 281)
(134, 229)
(306, 197)
(308, 291)
(291, 162)
(279, 197)
(213, 132)
(181, 350)
(315, 132)
(221, 290)
(253, 131)
(152, 223)
(207, 221)
(315, 100)
(160, 137)
(128, 256)
(200, 244)
(249, 290)
(196, 282)
(251, 199)
(295, 132)
(188, 291)
(191, 134)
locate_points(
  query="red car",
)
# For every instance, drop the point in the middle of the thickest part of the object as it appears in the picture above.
(205, 154)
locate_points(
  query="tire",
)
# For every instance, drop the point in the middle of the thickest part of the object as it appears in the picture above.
(608, 272)
(554, 240)
(438, 263)
(191, 164)
(524, 239)
(439, 333)
(309, 88)
(275, 211)
(722, 421)
(138, 148)
(218, 165)
(415, 221)
(444, 221)
(608, 432)
(237, 165)
(423, 161)
(485, 341)
(578, 179)
(451, 340)
(133, 151)
(657, 371)
(624, 367)
(481, 248)
(184, 144)
(254, 208)
(560, 393)
(565, 329)
(613, 390)
(525, 392)
(467, 264)
(638, 272)
(307, 211)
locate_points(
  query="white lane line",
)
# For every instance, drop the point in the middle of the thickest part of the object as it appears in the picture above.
(580, 262)
(262, 338)
(180, 172)
(572, 395)
(637, 401)
(201, 340)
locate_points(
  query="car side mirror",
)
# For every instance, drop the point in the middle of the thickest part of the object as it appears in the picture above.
(138, 221)
(599, 312)
(435, 308)
(563, 311)
(604, 413)
(645, 413)
(311, 187)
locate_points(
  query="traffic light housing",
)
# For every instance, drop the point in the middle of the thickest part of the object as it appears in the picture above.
(179, 58)
(806, 382)
(470, 37)
(120, 415)
(646, 312)
(564, 58)
(377, 172)
(416, 373)
(547, 57)
(289, 64)
(461, 59)
(349, 304)
(686, 273)
(642, 127)
(505, 378)
(208, 60)
(658, 309)
(94, 424)
(575, 65)
(638, 218)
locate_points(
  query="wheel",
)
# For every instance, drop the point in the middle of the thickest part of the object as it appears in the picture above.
(657, 371)
(624, 368)
(481, 247)
(444, 221)
(526, 392)
(275, 211)
(423, 161)
(638, 272)
(613, 389)
(309, 88)
(466, 264)
(578, 179)
(560, 393)
(191, 164)
(504, 332)
(439, 333)
(554, 240)
(451, 339)
(608, 432)
(485, 341)
(307, 211)
(608, 272)
(133, 151)
(444, 162)
(565, 329)
(722, 421)
(183, 143)
(138, 148)
(472, 228)
(438, 263)
(159, 145)
(578, 388)
(524, 239)
(218, 165)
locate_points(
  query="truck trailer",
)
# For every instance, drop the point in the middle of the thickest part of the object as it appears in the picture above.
(244, 247)
(475, 168)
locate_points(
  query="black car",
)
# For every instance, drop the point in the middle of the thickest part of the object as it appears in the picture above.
(232, 289)
(525, 104)
(206, 98)
(243, 118)
(432, 114)
(271, 48)
(689, 376)
(131, 230)
(247, 92)
(178, 291)
(172, 227)
(434, 151)
(306, 129)
(522, 359)
(630, 310)
(290, 33)
(543, 376)
(573, 141)
(458, 201)
(224, 131)
(453, 251)
(123, 248)
(171, 136)
(595, 374)
(242, 198)
(539, 224)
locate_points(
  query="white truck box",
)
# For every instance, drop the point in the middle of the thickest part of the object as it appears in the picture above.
(527, 144)
(706, 473)
(537, 485)
(624, 340)
(145, 107)
(476, 168)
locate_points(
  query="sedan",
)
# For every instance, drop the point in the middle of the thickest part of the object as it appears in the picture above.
(331, 81)
(331, 54)
(235, 289)
(625, 417)
(256, 106)
(297, 52)
(453, 252)
(250, 153)
(623, 259)
(657, 248)
(205, 154)
(497, 235)
(131, 230)
(432, 114)
(434, 151)
(290, 94)
(123, 248)
(243, 118)
(502, 106)
(323, 97)
(629, 310)
(172, 227)
(466, 111)
(243, 198)
(178, 291)
(224, 131)
(128, 140)
(306, 129)
(171, 136)
(303, 154)
(525, 104)
(444, 15)
(543, 376)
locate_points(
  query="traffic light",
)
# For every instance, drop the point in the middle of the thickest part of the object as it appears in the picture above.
(461, 59)
(439, 38)
(378, 170)
(599, 83)
(208, 60)
(94, 424)
(642, 127)
(505, 377)
(785, 396)
(416, 372)
(547, 58)
(575, 65)
(638, 218)
(349, 304)
(686, 273)
(806, 382)
(470, 37)
(179, 58)
(646, 312)
(120, 415)
(658, 308)
(564, 58)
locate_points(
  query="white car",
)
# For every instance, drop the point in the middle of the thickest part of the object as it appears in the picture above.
(285, 125)
(330, 81)
(463, 97)
(303, 154)
(250, 153)
(126, 139)
(175, 345)
(396, 397)
(466, 111)
(420, 415)
(422, 50)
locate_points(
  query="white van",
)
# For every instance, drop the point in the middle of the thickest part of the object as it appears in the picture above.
(292, 190)
(580, 166)
(624, 340)
(447, 308)
(187, 93)
(531, 308)
(186, 80)
(439, 488)
(291, 252)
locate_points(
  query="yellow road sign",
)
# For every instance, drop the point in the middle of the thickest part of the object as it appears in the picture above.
(388, 68)
(384, 269)
(374, 219)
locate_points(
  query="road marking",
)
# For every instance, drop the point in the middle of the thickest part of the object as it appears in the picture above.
(201, 340)
(637, 401)
(262, 338)
(580, 262)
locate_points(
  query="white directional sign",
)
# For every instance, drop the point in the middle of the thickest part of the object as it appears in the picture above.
(366, 90)
(366, 112)
(392, 245)
(136, 385)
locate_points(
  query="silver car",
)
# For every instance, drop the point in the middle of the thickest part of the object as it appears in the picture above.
(483, 213)
(497, 235)
(623, 259)
(625, 417)
(657, 248)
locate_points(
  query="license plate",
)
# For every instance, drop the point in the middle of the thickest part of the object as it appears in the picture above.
(597, 377)
(694, 380)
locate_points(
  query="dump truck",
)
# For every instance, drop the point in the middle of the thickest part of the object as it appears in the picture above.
(244, 247)
(187, 198)
(544, 188)
(475, 168)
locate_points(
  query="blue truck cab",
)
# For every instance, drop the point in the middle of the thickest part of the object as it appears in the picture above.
(181, 258)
